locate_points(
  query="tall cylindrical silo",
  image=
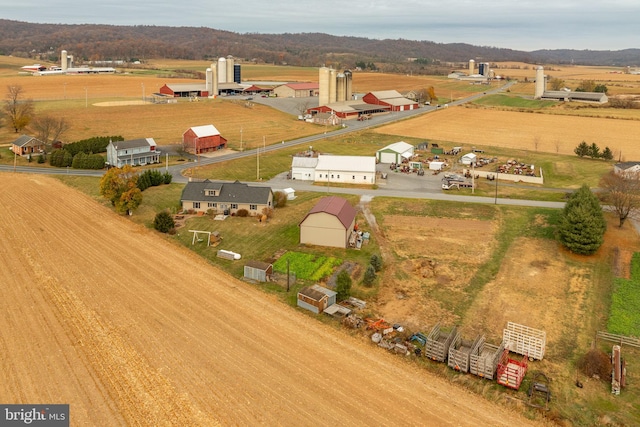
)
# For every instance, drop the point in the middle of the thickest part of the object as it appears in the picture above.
(209, 82)
(540, 83)
(472, 66)
(214, 80)
(237, 73)
(63, 60)
(222, 70)
(323, 89)
(341, 87)
(349, 80)
(230, 63)
(332, 85)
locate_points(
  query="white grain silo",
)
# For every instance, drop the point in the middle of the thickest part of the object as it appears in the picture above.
(214, 80)
(341, 87)
(323, 83)
(472, 66)
(230, 63)
(349, 77)
(332, 85)
(541, 83)
(63, 60)
(222, 70)
(209, 81)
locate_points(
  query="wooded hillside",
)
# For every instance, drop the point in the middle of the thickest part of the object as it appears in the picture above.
(110, 42)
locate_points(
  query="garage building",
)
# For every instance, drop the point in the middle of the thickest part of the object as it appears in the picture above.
(329, 223)
(395, 153)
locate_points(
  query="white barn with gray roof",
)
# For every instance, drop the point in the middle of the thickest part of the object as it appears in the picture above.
(346, 169)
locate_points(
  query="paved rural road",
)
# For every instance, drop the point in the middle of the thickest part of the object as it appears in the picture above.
(398, 185)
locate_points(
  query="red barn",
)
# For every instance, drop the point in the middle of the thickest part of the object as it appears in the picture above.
(391, 99)
(200, 139)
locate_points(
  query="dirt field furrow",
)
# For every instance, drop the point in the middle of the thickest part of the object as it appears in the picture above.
(132, 330)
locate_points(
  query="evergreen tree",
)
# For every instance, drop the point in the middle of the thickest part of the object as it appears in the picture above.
(343, 285)
(594, 151)
(164, 222)
(582, 224)
(369, 275)
(582, 149)
(607, 154)
(376, 262)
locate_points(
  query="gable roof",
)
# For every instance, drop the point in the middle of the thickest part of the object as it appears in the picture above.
(304, 162)
(626, 165)
(336, 206)
(205, 130)
(312, 293)
(302, 86)
(387, 94)
(228, 192)
(134, 143)
(25, 140)
(346, 163)
(398, 147)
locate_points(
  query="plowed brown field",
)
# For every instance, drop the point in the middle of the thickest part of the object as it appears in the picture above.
(552, 133)
(130, 329)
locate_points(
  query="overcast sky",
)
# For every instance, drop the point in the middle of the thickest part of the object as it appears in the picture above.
(522, 25)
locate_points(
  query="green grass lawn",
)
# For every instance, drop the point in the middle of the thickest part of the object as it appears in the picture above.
(625, 302)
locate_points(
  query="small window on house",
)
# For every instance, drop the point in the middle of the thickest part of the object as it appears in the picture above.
(253, 207)
(338, 176)
(234, 206)
(211, 205)
(196, 205)
(353, 177)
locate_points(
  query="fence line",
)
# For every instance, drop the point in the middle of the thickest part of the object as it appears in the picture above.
(621, 339)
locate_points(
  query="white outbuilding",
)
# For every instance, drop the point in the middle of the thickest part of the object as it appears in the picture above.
(304, 168)
(346, 169)
(395, 153)
(469, 158)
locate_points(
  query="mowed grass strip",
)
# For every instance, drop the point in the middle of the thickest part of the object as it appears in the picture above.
(625, 302)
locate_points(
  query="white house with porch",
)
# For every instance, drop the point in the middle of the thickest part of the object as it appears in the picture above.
(135, 152)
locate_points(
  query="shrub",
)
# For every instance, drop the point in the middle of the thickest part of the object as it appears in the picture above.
(376, 262)
(279, 199)
(596, 362)
(163, 222)
(343, 285)
(369, 275)
(243, 213)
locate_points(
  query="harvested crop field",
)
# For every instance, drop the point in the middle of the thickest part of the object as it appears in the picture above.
(517, 130)
(133, 330)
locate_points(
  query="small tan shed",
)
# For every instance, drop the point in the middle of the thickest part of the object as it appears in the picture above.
(329, 223)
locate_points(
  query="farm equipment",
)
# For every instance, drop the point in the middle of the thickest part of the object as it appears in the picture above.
(525, 340)
(420, 338)
(511, 372)
(460, 352)
(539, 392)
(484, 358)
(379, 325)
(438, 342)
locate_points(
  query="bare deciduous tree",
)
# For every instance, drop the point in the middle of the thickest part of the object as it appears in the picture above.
(621, 191)
(50, 129)
(19, 111)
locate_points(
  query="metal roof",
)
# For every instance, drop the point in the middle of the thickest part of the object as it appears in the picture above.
(205, 130)
(346, 163)
(304, 162)
(228, 192)
(25, 140)
(398, 147)
(336, 206)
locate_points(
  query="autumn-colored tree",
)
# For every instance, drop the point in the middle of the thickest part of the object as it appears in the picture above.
(557, 84)
(118, 185)
(19, 111)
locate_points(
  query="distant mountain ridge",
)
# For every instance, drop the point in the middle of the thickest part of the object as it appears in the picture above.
(111, 42)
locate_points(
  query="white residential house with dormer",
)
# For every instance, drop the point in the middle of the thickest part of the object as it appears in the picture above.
(135, 152)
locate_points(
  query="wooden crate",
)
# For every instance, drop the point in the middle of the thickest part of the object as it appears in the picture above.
(524, 340)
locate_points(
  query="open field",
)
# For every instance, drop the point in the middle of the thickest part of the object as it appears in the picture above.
(138, 336)
(552, 133)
